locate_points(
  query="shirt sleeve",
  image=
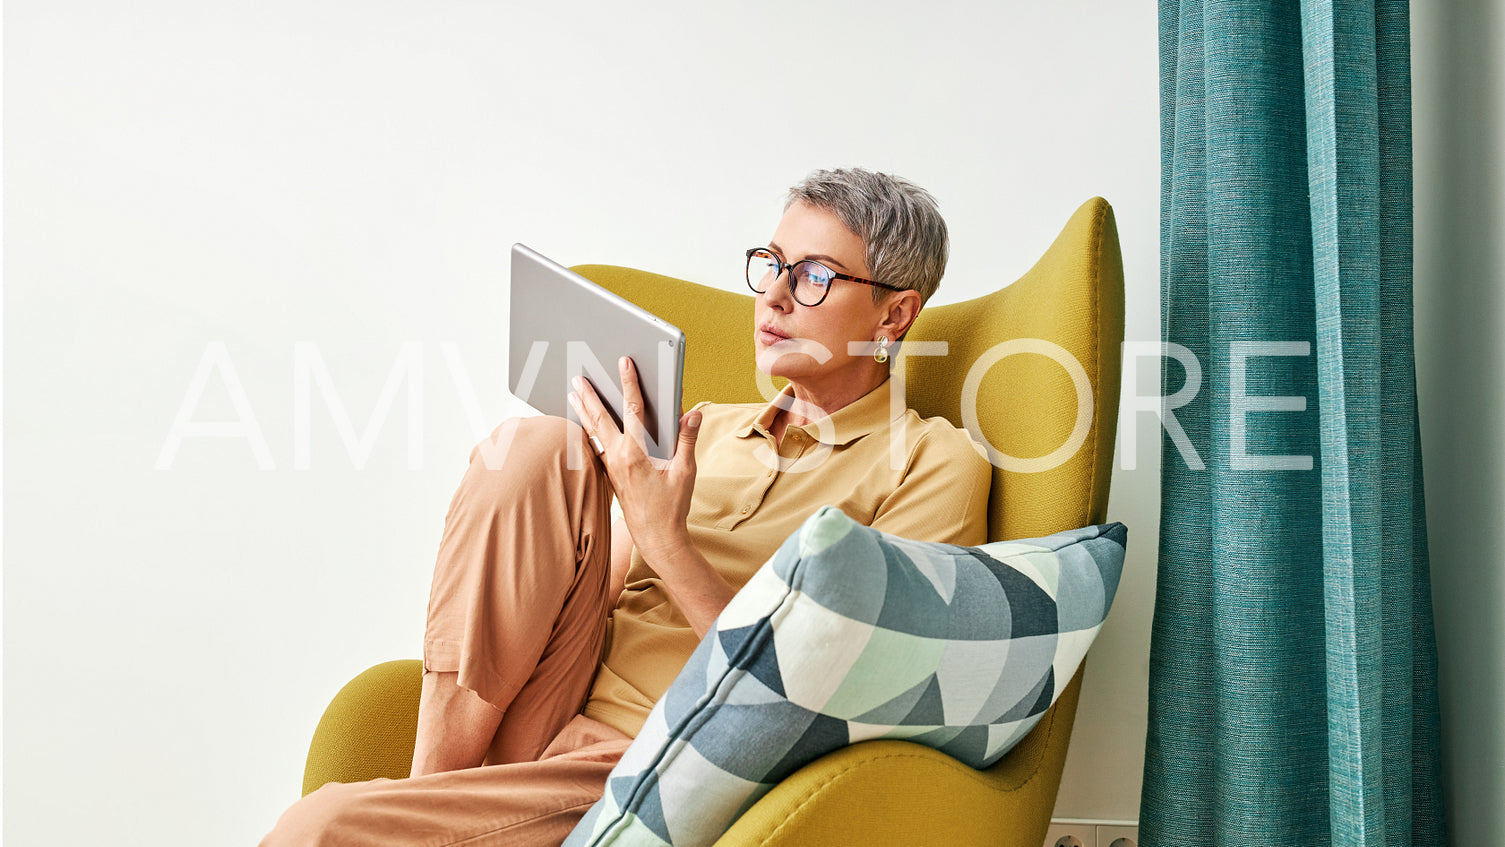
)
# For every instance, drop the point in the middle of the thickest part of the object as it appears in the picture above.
(943, 495)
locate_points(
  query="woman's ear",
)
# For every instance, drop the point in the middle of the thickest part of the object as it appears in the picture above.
(899, 313)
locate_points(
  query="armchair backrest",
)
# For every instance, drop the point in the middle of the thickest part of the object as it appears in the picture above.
(1032, 369)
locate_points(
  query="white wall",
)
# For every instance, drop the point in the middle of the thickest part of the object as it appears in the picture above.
(350, 174)
(1458, 95)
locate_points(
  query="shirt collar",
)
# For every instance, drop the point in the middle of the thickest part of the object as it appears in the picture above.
(867, 414)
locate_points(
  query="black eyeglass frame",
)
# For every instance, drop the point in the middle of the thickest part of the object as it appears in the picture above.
(780, 266)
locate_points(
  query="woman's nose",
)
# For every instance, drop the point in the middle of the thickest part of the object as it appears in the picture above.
(778, 303)
(777, 293)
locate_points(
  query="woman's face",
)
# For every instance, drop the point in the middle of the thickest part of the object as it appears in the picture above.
(808, 344)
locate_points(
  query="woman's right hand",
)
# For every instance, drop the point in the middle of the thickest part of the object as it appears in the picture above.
(655, 497)
(654, 493)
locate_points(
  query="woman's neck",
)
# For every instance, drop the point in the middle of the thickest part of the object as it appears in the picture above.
(810, 405)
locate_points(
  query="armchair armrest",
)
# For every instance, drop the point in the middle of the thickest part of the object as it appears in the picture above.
(368, 729)
(881, 793)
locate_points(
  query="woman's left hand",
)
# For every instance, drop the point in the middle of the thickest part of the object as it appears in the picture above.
(654, 493)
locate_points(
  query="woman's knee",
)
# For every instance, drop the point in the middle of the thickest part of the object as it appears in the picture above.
(525, 445)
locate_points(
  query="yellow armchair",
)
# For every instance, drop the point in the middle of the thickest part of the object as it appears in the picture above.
(1031, 369)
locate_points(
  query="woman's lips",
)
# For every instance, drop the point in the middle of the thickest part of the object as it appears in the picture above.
(769, 336)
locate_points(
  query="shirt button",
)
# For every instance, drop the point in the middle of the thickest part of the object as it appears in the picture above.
(795, 435)
(746, 509)
(770, 474)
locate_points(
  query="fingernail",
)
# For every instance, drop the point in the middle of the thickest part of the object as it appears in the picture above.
(624, 363)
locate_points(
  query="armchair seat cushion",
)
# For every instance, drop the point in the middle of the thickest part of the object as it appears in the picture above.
(848, 634)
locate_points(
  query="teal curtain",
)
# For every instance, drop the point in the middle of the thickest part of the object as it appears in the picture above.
(1292, 664)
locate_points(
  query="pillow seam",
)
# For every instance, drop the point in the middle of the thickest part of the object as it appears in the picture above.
(681, 733)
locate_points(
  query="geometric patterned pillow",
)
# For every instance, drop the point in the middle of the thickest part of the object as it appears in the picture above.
(849, 634)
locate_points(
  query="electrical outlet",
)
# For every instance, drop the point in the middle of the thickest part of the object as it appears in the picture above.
(1114, 835)
(1070, 835)
(1087, 833)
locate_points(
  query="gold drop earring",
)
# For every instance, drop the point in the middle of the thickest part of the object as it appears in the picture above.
(881, 354)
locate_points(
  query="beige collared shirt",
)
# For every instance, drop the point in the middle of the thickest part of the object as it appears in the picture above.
(884, 467)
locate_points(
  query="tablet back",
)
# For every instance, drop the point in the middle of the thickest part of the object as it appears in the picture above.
(564, 326)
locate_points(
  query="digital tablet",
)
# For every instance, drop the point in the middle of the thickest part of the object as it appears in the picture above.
(564, 326)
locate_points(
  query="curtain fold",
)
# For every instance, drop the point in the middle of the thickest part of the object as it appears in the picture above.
(1293, 667)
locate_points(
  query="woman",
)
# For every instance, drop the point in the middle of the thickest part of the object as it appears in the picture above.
(532, 581)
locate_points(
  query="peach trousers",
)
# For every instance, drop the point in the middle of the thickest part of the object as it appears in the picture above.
(518, 608)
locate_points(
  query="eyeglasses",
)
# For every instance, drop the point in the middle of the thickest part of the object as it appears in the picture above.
(809, 280)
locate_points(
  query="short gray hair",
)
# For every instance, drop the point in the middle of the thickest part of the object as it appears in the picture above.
(899, 224)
